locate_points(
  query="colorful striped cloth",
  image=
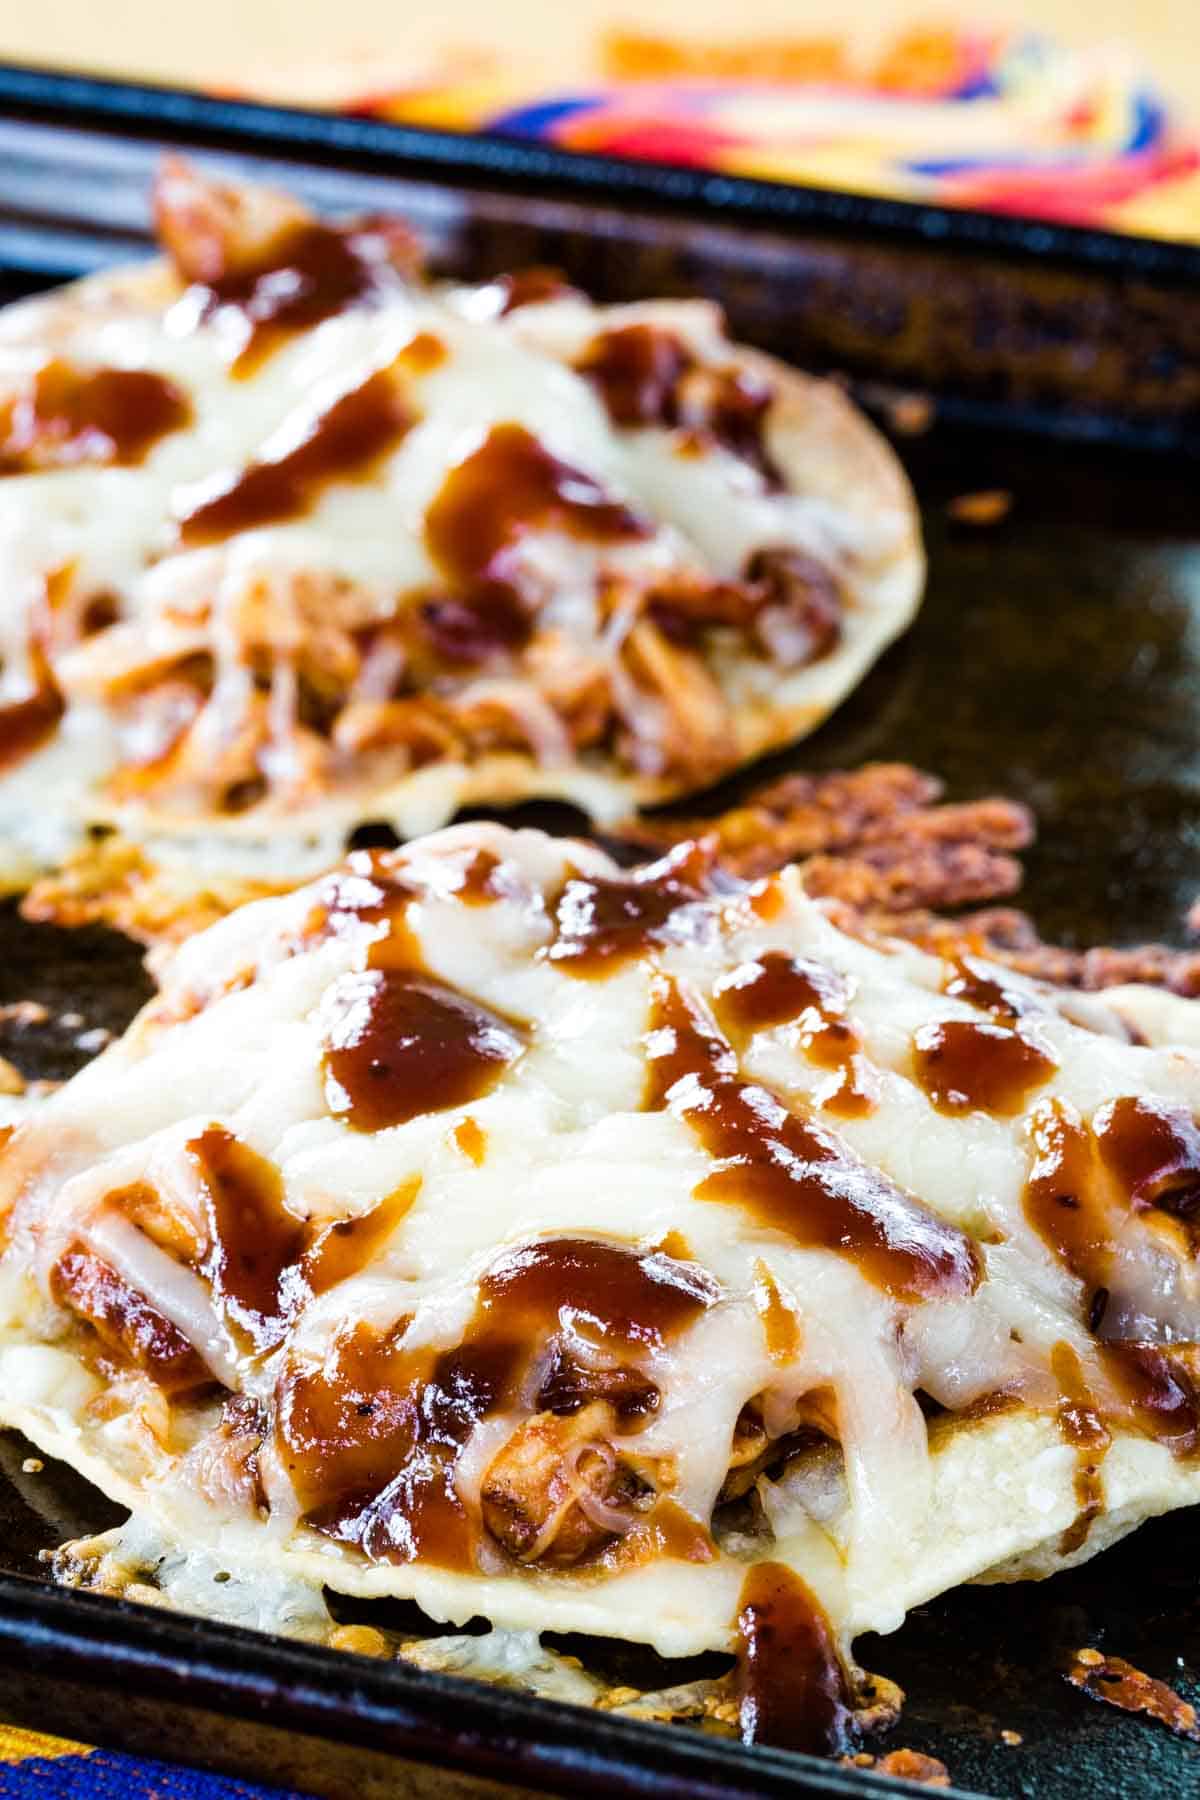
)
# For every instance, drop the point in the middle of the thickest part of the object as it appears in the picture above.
(36, 1767)
(1004, 120)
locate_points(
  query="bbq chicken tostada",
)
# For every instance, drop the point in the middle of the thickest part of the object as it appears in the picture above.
(633, 1253)
(293, 538)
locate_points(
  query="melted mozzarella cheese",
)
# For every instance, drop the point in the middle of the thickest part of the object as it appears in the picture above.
(820, 1348)
(360, 546)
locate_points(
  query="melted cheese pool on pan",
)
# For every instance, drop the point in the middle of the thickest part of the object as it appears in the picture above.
(635, 1254)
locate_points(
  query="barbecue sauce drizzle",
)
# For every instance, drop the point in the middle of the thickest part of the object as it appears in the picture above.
(28, 723)
(399, 1042)
(1061, 1200)
(785, 1172)
(311, 272)
(602, 922)
(778, 989)
(345, 442)
(254, 1242)
(648, 376)
(507, 487)
(1081, 1426)
(964, 1066)
(68, 416)
(262, 1262)
(792, 1688)
(1134, 1158)
(792, 1174)
(372, 1436)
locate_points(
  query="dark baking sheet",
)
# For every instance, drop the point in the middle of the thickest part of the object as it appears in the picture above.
(1054, 327)
(1058, 659)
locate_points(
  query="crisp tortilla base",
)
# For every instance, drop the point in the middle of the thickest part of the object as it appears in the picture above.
(1002, 1495)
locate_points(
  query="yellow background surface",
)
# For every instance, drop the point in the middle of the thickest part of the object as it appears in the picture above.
(248, 42)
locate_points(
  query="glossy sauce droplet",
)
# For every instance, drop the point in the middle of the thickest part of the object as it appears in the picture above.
(342, 1248)
(508, 487)
(399, 1044)
(1159, 1385)
(787, 990)
(68, 416)
(985, 987)
(792, 1689)
(365, 903)
(254, 1243)
(343, 443)
(602, 922)
(969, 1067)
(1138, 1157)
(1064, 1201)
(636, 369)
(791, 1174)
(600, 1290)
(647, 376)
(1153, 1153)
(370, 1437)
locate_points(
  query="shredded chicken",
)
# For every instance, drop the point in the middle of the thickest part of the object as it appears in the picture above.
(210, 230)
(290, 683)
(558, 1492)
(693, 722)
